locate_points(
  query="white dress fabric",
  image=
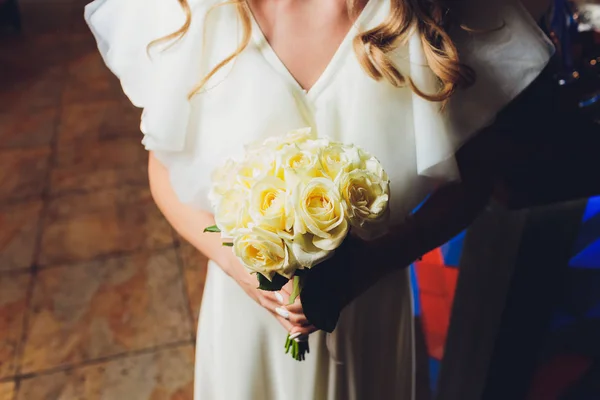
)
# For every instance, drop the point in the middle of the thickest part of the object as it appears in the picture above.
(240, 346)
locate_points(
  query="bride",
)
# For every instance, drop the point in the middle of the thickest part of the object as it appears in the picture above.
(410, 81)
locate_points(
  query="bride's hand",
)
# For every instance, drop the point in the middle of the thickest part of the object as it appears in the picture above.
(295, 311)
(291, 317)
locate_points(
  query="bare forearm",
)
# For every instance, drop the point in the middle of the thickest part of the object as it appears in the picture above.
(190, 224)
(187, 221)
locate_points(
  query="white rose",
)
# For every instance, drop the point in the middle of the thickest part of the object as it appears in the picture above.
(306, 253)
(263, 251)
(295, 165)
(299, 136)
(231, 212)
(320, 212)
(366, 199)
(223, 178)
(358, 156)
(255, 167)
(270, 205)
(336, 158)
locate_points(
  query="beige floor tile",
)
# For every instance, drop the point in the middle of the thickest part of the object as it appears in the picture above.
(19, 226)
(13, 303)
(115, 221)
(88, 165)
(163, 375)
(23, 172)
(7, 391)
(28, 129)
(95, 120)
(102, 308)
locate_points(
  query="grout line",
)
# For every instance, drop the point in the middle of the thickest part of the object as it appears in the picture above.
(40, 229)
(100, 360)
(6, 203)
(25, 323)
(16, 271)
(16, 389)
(184, 283)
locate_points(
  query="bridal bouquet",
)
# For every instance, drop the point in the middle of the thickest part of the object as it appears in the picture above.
(290, 203)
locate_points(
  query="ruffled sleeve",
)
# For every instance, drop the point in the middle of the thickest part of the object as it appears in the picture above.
(157, 79)
(506, 62)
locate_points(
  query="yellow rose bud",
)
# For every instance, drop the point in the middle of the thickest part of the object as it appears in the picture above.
(255, 167)
(270, 205)
(295, 165)
(319, 211)
(263, 251)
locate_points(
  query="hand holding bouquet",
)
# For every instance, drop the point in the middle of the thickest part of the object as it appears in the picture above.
(291, 202)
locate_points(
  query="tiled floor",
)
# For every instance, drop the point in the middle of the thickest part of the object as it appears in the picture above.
(98, 296)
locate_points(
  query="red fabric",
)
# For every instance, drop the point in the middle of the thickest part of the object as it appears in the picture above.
(437, 285)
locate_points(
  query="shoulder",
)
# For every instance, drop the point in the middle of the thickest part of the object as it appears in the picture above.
(156, 78)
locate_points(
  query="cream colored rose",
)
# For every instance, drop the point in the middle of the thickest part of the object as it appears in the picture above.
(306, 254)
(223, 179)
(335, 158)
(320, 212)
(366, 198)
(295, 165)
(299, 136)
(263, 251)
(270, 205)
(255, 167)
(231, 211)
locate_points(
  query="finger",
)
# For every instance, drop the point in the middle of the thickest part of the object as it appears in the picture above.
(284, 322)
(287, 325)
(279, 297)
(298, 319)
(288, 288)
(295, 308)
(285, 296)
(269, 301)
(304, 331)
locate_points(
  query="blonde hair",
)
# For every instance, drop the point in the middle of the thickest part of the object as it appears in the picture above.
(372, 47)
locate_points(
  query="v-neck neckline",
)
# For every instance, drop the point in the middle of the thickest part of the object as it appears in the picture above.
(338, 57)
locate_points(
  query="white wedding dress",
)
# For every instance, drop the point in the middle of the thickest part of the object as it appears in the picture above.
(240, 346)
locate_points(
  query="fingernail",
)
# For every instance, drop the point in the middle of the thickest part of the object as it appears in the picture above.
(283, 313)
(295, 335)
(279, 297)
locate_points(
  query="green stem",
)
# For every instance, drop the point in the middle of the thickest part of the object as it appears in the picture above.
(297, 288)
(297, 350)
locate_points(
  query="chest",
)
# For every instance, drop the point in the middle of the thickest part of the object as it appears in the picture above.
(304, 35)
(257, 97)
